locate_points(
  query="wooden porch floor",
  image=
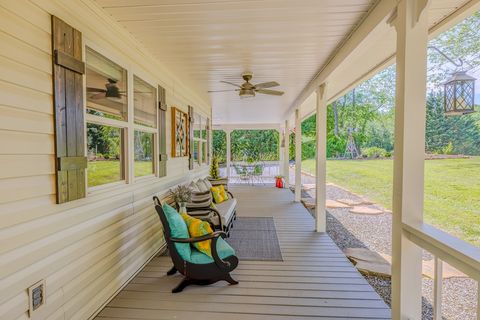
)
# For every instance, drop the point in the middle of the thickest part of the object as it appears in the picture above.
(314, 280)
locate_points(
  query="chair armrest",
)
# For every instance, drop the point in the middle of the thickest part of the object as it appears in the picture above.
(191, 211)
(230, 194)
(209, 236)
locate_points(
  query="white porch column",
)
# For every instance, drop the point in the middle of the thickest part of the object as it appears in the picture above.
(321, 159)
(298, 156)
(229, 152)
(408, 176)
(286, 157)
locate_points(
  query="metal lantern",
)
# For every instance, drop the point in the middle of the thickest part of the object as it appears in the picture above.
(459, 94)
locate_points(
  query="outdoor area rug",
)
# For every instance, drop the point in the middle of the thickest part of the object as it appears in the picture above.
(255, 239)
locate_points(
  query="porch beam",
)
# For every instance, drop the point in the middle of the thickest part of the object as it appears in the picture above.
(355, 39)
(411, 24)
(229, 152)
(321, 159)
(298, 156)
(286, 156)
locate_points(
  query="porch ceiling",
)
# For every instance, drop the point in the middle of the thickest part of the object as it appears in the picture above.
(287, 41)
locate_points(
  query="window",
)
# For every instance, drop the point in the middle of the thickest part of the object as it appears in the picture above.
(200, 140)
(106, 87)
(144, 164)
(144, 96)
(106, 119)
(145, 118)
(104, 146)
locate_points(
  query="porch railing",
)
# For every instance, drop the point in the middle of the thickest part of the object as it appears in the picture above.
(449, 249)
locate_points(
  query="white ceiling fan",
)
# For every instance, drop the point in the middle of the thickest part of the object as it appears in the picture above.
(247, 89)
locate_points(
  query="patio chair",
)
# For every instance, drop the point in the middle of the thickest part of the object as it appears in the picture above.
(242, 174)
(257, 173)
(197, 267)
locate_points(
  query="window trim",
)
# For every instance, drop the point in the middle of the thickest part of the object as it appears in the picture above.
(203, 121)
(128, 126)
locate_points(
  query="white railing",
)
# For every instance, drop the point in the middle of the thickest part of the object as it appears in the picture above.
(449, 249)
(270, 170)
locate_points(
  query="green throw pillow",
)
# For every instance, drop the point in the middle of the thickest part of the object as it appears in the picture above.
(178, 229)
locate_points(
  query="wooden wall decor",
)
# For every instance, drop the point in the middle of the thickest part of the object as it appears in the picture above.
(179, 133)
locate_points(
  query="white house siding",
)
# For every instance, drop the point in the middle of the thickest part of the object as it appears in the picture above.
(86, 250)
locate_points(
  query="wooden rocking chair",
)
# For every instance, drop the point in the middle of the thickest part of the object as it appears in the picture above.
(209, 270)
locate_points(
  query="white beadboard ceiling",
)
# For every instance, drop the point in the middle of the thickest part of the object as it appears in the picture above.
(286, 41)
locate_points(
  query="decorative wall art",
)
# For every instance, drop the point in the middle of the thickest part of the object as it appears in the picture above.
(179, 133)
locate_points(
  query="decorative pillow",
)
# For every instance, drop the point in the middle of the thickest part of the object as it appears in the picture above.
(178, 229)
(194, 187)
(207, 183)
(219, 194)
(202, 186)
(198, 228)
(200, 200)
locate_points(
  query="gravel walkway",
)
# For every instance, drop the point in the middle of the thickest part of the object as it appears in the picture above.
(350, 230)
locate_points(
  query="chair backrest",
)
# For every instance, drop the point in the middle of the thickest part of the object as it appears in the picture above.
(176, 258)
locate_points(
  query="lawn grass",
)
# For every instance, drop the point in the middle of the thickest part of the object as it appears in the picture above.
(108, 171)
(452, 189)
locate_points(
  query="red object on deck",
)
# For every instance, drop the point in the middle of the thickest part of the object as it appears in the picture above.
(279, 182)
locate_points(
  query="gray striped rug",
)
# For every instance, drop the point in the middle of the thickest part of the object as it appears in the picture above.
(255, 239)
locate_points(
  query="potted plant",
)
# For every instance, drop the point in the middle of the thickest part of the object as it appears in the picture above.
(214, 177)
(279, 181)
(181, 194)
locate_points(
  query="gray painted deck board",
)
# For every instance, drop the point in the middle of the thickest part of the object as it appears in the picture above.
(315, 280)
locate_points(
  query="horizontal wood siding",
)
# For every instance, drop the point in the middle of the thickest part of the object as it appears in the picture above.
(86, 250)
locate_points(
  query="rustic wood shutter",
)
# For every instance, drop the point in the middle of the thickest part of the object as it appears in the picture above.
(162, 131)
(68, 70)
(191, 120)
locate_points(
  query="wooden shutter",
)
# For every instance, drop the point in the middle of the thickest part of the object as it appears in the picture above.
(191, 120)
(162, 131)
(68, 70)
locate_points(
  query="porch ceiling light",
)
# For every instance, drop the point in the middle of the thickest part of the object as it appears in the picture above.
(247, 93)
(459, 94)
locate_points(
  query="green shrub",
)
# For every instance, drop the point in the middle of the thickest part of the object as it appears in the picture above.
(448, 149)
(374, 152)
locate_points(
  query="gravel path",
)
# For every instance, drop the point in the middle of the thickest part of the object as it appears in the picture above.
(350, 230)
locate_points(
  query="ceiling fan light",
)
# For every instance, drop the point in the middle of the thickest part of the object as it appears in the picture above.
(247, 93)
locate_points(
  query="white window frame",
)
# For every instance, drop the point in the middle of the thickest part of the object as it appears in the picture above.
(128, 127)
(201, 141)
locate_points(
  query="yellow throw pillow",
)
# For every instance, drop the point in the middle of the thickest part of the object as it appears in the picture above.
(197, 228)
(219, 194)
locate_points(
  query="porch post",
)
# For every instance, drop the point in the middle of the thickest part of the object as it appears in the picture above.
(286, 157)
(321, 159)
(229, 152)
(408, 176)
(298, 156)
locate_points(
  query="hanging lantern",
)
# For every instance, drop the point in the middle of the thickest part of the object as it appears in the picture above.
(459, 94)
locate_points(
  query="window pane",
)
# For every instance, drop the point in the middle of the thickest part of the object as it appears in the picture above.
(204, 128)
(197, 125)
(196, 150)
(144, 96)
(106, 87)
(204, 152)
(104, 146)
(143, 154)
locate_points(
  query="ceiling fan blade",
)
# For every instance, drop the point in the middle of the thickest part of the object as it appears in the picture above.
(230, 90)
(266, 85)
(233, 84)
(272, 92)
(95, 90)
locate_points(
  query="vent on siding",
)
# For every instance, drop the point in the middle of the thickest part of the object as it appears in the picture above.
(36, 297)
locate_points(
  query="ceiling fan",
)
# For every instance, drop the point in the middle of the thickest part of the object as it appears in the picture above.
(111, 90)
(247, 89)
